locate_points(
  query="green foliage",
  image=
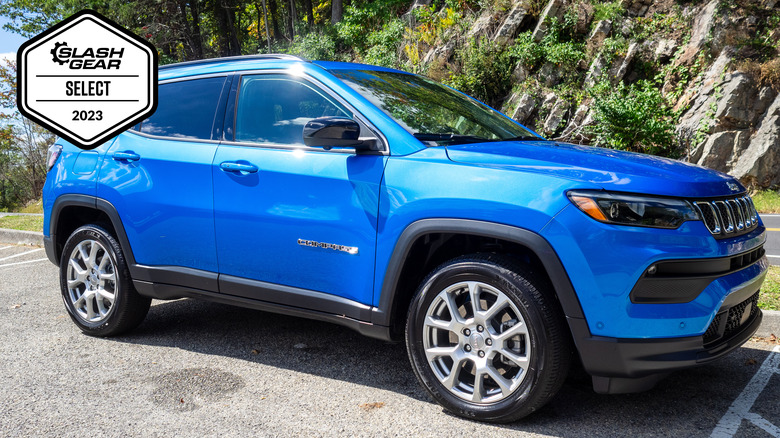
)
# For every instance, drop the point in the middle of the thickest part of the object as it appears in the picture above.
(486, 73)
(633, 117)
(26, 223)
(314, 46)
(384, 44)
(608, 10)
(767, 201)
(770, 290)
(360, 19)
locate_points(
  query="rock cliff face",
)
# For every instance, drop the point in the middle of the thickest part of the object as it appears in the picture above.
(716, 63)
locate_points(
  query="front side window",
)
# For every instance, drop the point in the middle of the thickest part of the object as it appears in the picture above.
(274, 108)
(433, 113)
(185, 109)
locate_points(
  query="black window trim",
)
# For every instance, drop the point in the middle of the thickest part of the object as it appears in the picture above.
(230, 116)
(215, 128)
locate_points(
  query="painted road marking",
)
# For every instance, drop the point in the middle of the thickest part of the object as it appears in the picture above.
(773, 256)
(21, 263)
(6, 247)
(21, 254)
(740, 409)
(773, 229)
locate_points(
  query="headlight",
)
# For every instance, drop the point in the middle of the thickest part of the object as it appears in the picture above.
(637, 210)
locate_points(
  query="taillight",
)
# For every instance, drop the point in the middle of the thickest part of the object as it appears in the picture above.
(51, 157)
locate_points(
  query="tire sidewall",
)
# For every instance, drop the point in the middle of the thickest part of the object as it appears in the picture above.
(501, 279)
(91, 232)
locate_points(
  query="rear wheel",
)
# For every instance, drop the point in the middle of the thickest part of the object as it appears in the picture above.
(96, 286)
(486, 338)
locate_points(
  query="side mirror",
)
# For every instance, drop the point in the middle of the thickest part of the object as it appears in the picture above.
(336, 132)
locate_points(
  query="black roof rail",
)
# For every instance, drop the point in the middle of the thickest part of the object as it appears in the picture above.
(234, 58)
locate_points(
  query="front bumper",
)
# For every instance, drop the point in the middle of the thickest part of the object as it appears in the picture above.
(633, 365)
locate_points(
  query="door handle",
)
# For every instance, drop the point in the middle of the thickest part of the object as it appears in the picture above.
(126, 156)
(232, 166)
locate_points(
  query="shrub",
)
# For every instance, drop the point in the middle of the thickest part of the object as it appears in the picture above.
(633, 118)
(608, 10)
(383, 44)
(486, 71)
(315, 46)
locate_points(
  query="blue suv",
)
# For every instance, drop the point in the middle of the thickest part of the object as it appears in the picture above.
(405, 210)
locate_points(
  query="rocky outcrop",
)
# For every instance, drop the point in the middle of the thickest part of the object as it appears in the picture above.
(554, 119)
(759, 164)
(700, 31)
(508, 29)
(554, 9)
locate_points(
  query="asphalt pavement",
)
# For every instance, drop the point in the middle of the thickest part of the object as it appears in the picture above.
(772, 246)
(202, 369)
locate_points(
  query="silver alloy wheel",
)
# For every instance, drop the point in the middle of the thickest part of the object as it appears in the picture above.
(476, 342)
(92, 282)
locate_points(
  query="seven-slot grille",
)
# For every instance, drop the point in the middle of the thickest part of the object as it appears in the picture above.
(728, 217)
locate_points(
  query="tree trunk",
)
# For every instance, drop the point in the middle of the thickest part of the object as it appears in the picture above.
(291, 19)
(197, 37)
(336, 11)
(274, 10)
(267, 34)
(309, 13)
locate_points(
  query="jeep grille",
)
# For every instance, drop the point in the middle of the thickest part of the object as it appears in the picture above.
(728, 217)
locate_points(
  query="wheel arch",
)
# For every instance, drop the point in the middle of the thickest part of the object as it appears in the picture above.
(396, 293)
(71, 211)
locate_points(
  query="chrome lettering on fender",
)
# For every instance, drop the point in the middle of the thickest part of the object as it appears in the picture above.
(313, 244)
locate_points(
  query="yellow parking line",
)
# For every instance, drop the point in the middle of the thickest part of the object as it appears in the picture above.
(773, 229)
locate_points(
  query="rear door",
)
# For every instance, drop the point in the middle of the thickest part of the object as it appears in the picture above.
(295, 216)
(158, 176)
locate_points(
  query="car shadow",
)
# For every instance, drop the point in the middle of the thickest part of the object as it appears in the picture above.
(687, 403)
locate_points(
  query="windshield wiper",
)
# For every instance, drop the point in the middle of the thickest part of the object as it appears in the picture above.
(523, 138)
(452, 138)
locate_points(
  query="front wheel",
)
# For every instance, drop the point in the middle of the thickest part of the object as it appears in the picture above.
(486, 338)
(96, 285)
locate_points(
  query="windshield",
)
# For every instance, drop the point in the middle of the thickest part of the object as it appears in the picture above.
(435, 114)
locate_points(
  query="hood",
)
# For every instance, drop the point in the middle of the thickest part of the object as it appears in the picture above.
(611, 169)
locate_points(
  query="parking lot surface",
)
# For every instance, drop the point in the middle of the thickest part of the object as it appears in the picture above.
(772, 246)
(197, 369)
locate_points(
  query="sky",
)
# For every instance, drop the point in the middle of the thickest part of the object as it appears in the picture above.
(9, 42)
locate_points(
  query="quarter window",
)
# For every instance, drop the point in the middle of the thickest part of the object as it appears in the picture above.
(186, 109)
(275, 108)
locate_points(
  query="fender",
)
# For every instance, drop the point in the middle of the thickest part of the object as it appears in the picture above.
(383, 314)
(90, 202)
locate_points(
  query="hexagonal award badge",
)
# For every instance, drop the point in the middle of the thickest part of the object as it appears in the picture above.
(86, 79)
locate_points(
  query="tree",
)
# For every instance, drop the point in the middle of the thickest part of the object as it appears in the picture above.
(337, 11)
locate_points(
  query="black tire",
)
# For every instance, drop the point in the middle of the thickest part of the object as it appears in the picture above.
(87, 300)
(546, 346)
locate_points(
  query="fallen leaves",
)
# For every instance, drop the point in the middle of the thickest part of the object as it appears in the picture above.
(371, 406)
(751, 361)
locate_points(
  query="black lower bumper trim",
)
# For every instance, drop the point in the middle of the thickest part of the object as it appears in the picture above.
(638, 358)
(51, 252)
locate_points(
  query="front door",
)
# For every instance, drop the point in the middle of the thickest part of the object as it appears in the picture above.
(287, 214)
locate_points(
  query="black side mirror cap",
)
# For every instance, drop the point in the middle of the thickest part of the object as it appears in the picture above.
(336, 132)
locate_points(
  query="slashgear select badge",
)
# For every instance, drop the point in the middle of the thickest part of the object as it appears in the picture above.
(87, 79)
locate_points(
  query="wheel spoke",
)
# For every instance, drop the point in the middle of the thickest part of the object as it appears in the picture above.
(501, 302)
(90, 301)
(517, 329)
(103, 261)
(83, 253)
(502, 382)
(521, 361)
(440, 324)
(474, 295)
(453, 309)
(106, 294)
(93, 249)
(79, 302)
(454, 375)
(476, 396)
(101, 307)
(73, 283)
(434, 353)
(107, 277)
(81, 273)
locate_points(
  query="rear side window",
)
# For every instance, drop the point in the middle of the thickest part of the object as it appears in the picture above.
(186, 109)
(274, 108)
